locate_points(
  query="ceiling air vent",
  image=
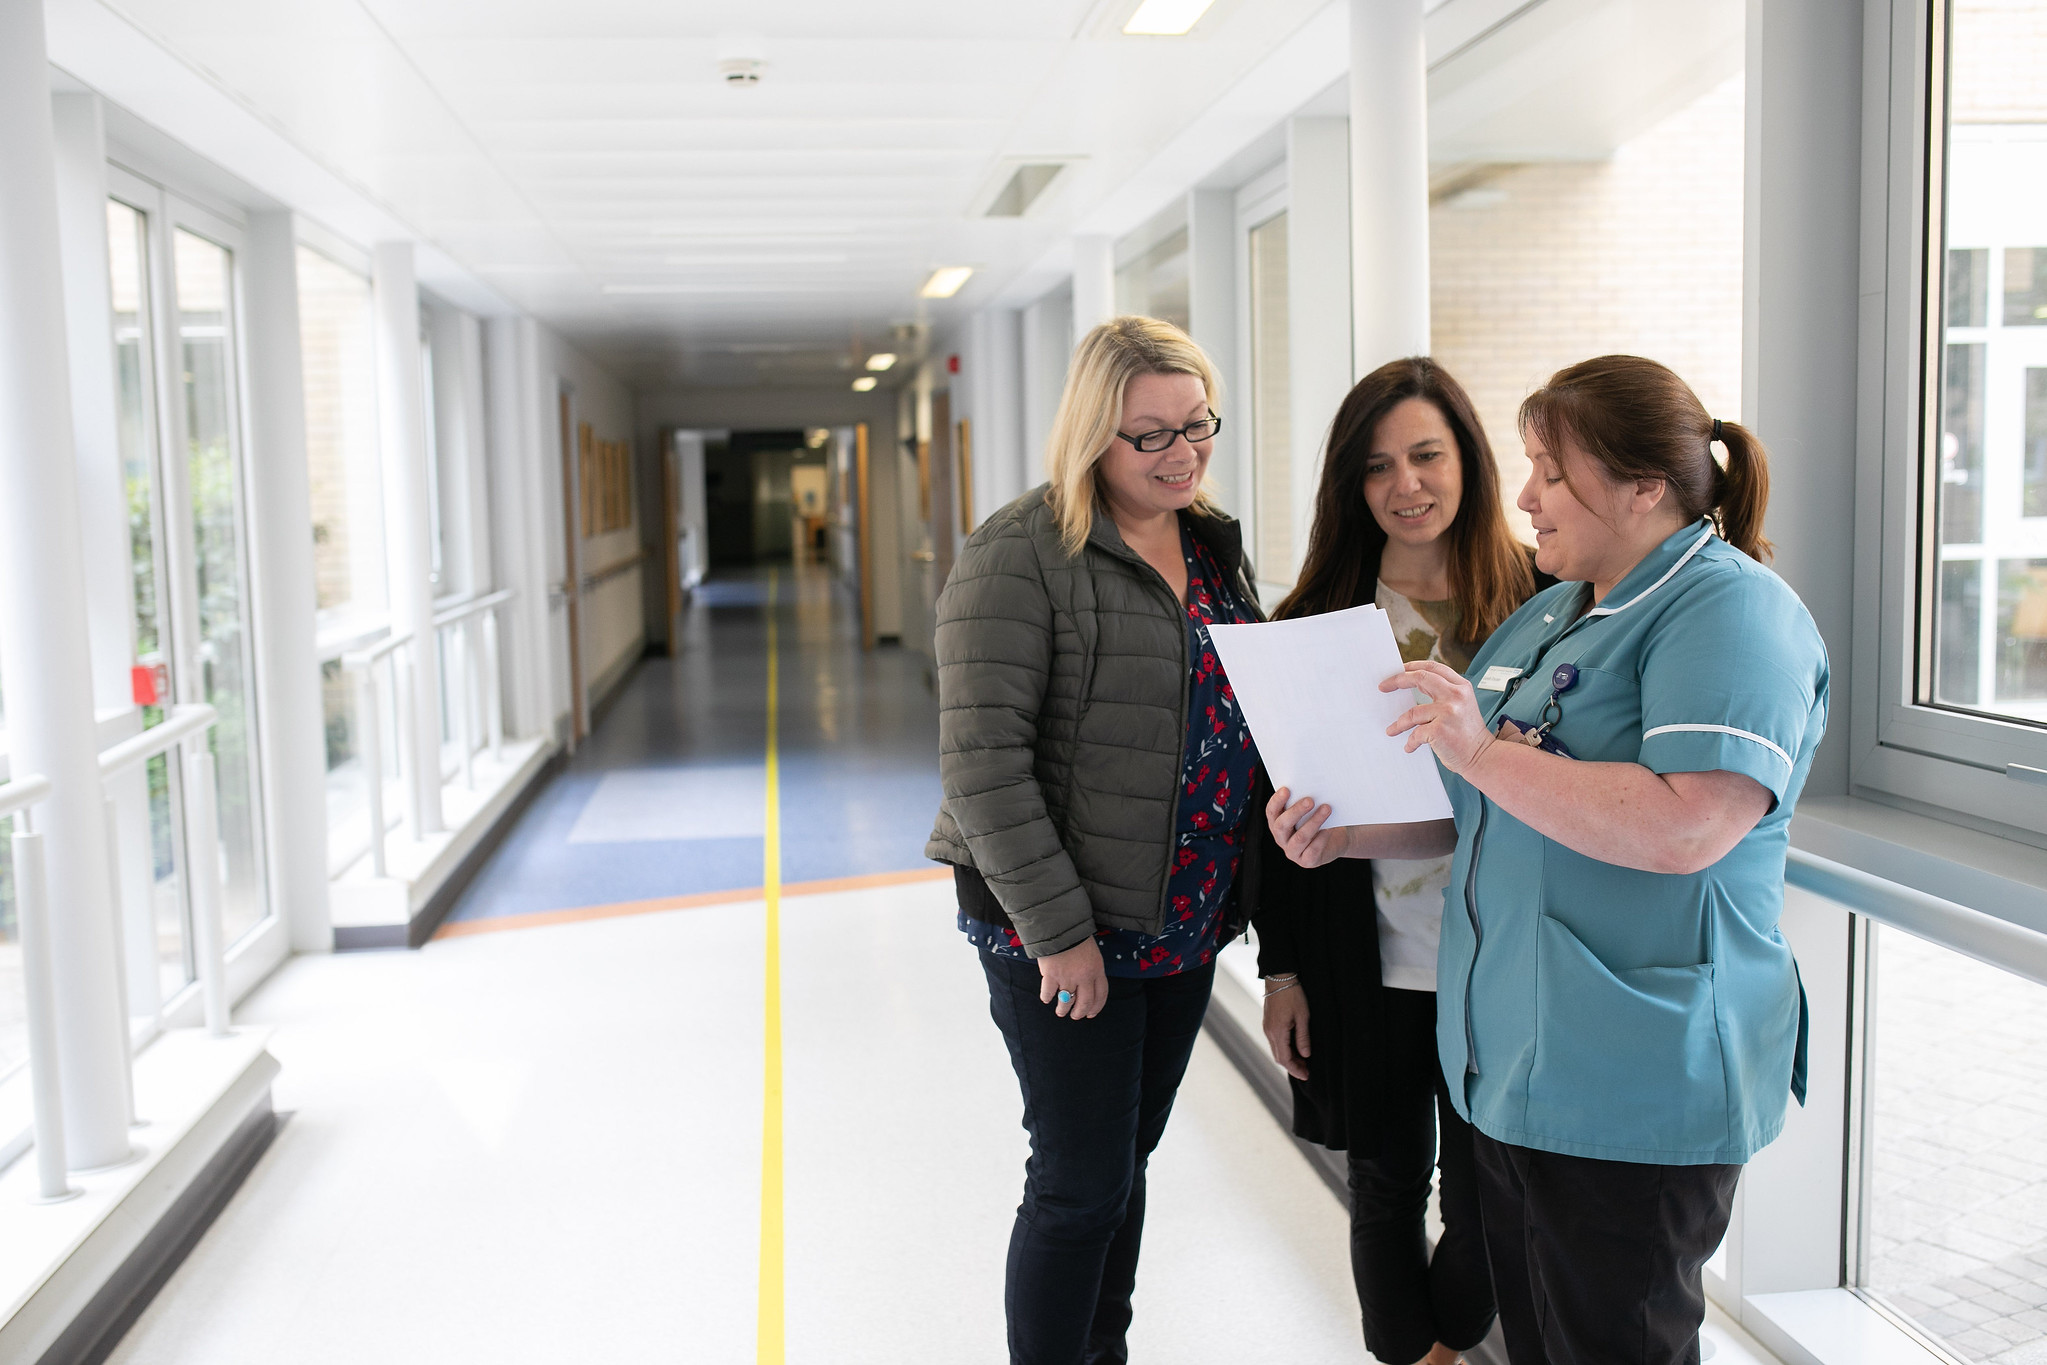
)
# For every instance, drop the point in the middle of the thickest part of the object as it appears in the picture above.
(1022, 189)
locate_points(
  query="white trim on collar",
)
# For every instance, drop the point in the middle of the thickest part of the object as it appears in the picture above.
(1697, 545)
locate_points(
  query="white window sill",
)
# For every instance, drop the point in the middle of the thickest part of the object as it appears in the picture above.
(2000, 877)
(1831, 1327)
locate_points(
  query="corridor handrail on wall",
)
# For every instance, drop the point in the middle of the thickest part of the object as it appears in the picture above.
(1998, 942)
(32, 930)
(190, 727)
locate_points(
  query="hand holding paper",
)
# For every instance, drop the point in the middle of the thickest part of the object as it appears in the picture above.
(1310, 690)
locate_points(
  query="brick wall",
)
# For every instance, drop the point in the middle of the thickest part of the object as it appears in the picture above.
(1534, 267)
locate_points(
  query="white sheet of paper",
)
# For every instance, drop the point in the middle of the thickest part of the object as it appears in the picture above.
(1310, 690)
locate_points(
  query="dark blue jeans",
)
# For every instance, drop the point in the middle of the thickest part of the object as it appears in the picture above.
(1096, 1096)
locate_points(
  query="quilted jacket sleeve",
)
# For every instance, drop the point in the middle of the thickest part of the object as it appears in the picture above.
(995, 649)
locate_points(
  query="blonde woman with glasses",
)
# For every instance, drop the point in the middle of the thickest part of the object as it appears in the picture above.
(1097, 774)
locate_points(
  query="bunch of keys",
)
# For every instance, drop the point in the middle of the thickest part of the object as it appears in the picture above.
(1561, 680)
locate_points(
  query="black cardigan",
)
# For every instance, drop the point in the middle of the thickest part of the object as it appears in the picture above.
(1323, 924)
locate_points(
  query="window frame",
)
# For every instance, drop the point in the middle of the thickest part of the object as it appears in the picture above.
(1259, 200)
(1963, 767)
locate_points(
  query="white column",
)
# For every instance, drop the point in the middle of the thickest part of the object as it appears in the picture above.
(1212, 320)
(1094, 283)
(401, 425)
(45, 647)
(1318, 307)
(282, 575)
(1389, 181)
(81, 149)
(458, 418)
(1047, 340)
(518, 502)
(1000, 470)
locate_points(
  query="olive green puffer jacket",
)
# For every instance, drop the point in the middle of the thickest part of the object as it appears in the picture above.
(1062, 694)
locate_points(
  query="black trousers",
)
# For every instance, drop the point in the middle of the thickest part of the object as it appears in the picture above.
(1410, 1299)
(1597, 1262)
(1097, 1093)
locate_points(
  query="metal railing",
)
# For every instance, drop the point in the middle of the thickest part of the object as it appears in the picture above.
(369, 713)
(32, 930)
(478, 707)
(387, 673)
(1998, 942)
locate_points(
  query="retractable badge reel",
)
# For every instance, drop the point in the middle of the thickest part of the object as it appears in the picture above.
(1561, 680)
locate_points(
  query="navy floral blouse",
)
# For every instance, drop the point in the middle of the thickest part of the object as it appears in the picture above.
(1215, 785)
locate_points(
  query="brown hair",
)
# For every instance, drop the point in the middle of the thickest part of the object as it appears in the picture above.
(1489, 572)
(1638, 420)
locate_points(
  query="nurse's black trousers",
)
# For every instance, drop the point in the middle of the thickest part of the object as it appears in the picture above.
(1097, 1093)
(1597, 1262)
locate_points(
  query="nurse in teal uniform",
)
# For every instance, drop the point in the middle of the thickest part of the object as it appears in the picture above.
(1619, 1019)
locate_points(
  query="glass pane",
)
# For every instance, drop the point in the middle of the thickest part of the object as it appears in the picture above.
(204, 277)
(1990, 632)
(1957, 1149)
(158, 884)
(337, 347)
(1271, 403)
(2025, 287)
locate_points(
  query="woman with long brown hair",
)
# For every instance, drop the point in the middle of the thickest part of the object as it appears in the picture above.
(1409, 518)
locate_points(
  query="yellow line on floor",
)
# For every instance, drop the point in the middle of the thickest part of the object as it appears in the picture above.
(772, 1317)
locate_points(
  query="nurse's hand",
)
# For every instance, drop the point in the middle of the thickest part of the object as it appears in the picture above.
(1297, 829)
(1286, 1025)
(1079, 970)
(1449, 722)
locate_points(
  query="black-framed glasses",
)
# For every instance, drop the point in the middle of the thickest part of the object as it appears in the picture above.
(1152, 442)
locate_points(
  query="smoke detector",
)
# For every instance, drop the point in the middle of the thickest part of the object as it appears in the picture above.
(741, 58)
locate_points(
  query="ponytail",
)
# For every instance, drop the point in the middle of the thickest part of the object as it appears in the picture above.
(1741, 492)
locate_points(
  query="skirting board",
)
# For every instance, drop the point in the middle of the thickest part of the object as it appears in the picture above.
(93, 1334)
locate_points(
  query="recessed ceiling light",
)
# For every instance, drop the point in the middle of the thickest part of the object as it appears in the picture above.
(864, 383)
(946, 281)
(1166, 18)
(881, 360)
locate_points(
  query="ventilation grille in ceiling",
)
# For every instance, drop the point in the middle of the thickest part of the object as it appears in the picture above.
(1023, 188)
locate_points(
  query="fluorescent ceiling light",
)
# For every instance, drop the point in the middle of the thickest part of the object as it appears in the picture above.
(945, 281)
(1167, 18)
(881, 360)
(864, 383)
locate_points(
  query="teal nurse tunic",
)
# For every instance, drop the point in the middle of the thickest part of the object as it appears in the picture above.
(1601, 1011)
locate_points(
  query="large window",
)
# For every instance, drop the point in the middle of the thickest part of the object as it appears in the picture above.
(1955, 1216)
(1953, 716)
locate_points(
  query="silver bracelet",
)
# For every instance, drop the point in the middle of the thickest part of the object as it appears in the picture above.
(1281, 990)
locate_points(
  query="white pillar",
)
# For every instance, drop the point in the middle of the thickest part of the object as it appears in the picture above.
(81, 149)
(1389, 182)
(45, 648)
(1000, 471)
(1047, 343)
(1212, 320)
(458, 419)
(1318, 308)
(518, 502)
(282, 575)
(1094, 283)
(401, 425)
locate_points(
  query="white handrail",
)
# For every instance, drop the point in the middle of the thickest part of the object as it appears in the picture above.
(369, 715)
(369, 654)
(1998, 942)
(476, 606)
(32, 929)
(22, 793)
(180, 724)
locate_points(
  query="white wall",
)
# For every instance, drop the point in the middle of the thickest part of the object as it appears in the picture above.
(1047, 347)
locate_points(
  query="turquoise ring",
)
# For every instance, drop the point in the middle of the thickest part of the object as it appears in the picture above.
(1066, 997)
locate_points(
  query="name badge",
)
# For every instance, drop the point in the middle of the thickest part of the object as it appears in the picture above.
(1497, 677)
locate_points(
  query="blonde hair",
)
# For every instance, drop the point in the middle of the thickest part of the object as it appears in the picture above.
(1091, 409)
